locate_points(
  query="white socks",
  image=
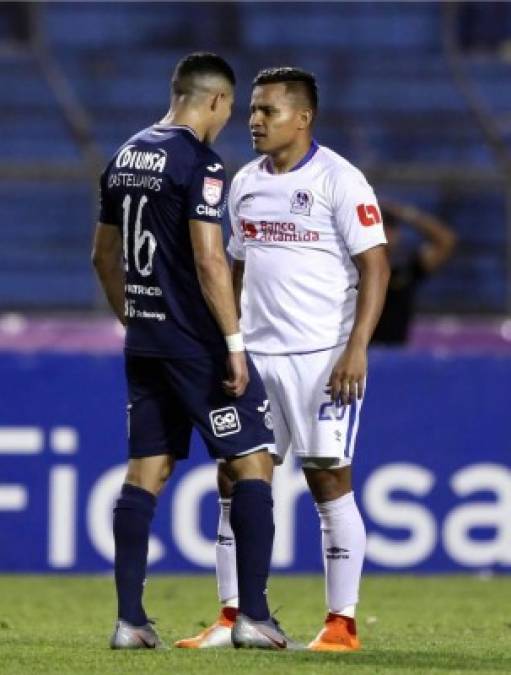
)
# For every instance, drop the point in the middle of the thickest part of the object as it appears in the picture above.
(226, 573)
(343, 541)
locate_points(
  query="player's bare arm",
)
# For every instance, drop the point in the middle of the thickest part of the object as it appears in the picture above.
(107, 259)
(348, 375)
(216, 285)
(238, 270)
(439, 240)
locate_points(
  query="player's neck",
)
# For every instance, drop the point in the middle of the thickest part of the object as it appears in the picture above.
(184, 118)
(284, 160)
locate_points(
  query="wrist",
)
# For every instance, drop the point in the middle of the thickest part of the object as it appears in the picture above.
(357, 342)
(235, 342)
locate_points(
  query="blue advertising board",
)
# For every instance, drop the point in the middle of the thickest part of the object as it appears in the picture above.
(432, 470)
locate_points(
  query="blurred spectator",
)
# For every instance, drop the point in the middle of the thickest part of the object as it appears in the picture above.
(484, 26)
(208, 26)
(409, 270)
(15, 22)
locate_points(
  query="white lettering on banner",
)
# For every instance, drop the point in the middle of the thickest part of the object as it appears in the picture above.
(62, 517)
(289, 484)
(99, 516)
(456, 532)
(64, 440)
(21, 440)
(13, 497)
(391, 513)
(185, 515)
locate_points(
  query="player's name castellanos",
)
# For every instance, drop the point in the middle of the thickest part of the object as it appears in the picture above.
(123, 179)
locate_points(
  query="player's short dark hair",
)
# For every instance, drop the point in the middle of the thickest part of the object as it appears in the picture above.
(295, 79)
(199, 64)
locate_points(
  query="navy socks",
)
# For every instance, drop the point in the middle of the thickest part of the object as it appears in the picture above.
(252, 524)
(133, 514)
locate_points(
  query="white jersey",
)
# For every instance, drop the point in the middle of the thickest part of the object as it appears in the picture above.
(297, 233)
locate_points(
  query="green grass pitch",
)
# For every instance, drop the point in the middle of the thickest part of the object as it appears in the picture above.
(449, 624)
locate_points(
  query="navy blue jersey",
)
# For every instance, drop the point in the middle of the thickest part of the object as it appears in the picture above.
(156, 182)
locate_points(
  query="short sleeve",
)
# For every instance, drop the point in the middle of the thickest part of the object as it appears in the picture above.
(107, 210)
(207, 192)
(235, 248)
(357, 214)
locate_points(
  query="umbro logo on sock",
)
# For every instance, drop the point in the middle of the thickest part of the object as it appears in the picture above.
(334, 553)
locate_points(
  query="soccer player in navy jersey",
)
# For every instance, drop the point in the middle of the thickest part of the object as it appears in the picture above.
(162, 199)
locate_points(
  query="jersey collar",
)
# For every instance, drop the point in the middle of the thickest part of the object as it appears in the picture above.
(162, 128)
(268, 165)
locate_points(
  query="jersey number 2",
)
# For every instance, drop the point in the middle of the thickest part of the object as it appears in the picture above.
(140, 239)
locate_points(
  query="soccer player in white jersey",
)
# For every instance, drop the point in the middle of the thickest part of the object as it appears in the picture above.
(309, 256)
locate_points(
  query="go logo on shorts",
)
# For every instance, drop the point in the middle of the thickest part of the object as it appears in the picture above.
(225, 421)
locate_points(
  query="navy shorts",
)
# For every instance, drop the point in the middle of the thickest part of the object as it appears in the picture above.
(167, 397)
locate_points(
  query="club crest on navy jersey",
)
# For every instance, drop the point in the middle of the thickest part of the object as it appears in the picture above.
(212, 190)
(265, 409)
(301, 202)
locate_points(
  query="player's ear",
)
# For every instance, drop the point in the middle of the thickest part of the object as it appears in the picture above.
(305, 119)
(215, 101)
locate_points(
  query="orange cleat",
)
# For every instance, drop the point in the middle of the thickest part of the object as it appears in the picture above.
(217, 635)
(339, 634)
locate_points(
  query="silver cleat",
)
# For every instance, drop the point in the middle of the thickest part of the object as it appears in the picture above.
(261, 635)
(126, 636)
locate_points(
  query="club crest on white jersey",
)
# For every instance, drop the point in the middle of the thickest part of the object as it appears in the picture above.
(301, 202)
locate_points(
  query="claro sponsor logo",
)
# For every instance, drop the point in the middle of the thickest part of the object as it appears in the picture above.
(132, 158)
(203, 210)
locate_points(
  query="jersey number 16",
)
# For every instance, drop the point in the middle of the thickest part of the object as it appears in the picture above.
(140, 238)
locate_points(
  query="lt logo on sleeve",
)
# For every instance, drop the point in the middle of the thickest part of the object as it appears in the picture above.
(368, 214)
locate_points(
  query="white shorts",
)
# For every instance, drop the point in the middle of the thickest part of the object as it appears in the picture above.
(319, 432)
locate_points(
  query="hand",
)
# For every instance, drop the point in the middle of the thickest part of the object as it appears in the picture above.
(237, 374)
(348, 375)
